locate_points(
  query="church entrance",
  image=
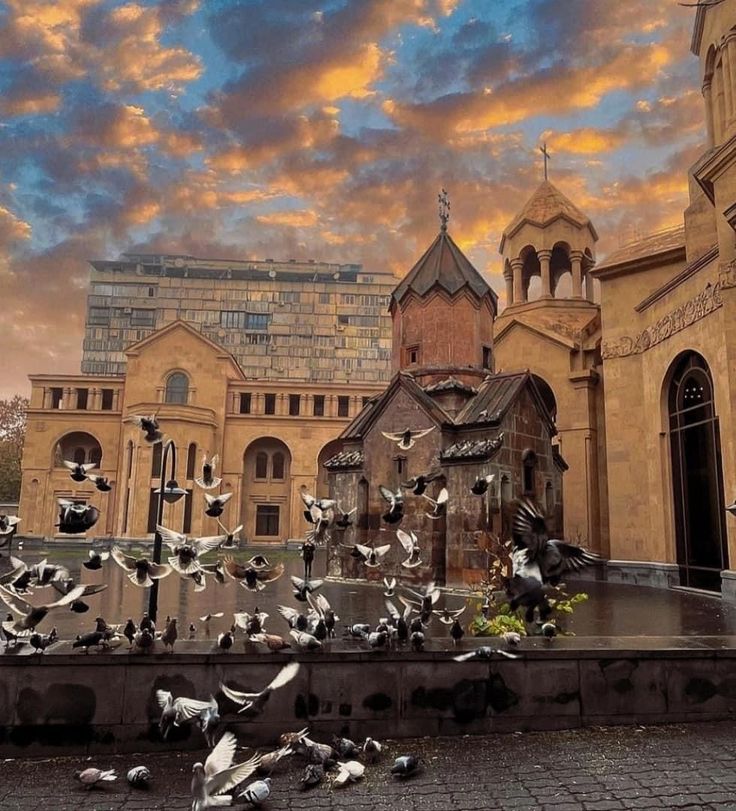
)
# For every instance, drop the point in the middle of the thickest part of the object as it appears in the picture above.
(696, 475)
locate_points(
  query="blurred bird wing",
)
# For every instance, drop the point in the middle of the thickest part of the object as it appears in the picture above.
(234, 775)
(353, 768)
(208, 543)
(307, 498)
(170, 537)
(237, 696)
(71, 596)
(382, 550)
(269, 575)
(420, 434)
(284, 676)
(314, 604)
(405, 540)
(241, 619)
(221, 757)
(388, 495)
(321, 602)
(443, 496)
(213, 462)
(297, 582)
(210, 499)
(69, 465)
(393, 437)
(393, 612)
(434, 596)
(188, 708)
(190, 568)
(19, 568)
(15, 603)
(530, 529)
(364, 550)
(89, 466)
(90, 589)
(288, 613)
(408, 606)
(573, 557)
(315, 513)
(156, 571)
(123, 560)
(233, 568)
(164, 698)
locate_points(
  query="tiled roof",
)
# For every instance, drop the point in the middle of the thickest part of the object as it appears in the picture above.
(345, 459)
(472, 449)
(445, 265)
(545, 205)
(660, 242)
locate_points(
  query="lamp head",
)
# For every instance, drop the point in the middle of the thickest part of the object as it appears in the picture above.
(171, 492)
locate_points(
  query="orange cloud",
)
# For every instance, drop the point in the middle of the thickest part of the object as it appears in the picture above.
(585, 141)
(290, 219)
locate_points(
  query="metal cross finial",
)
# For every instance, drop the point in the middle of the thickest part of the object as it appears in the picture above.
(547, 157)
(444, 209)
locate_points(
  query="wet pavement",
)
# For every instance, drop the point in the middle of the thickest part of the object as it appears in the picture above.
(612, 610)
(680, 766)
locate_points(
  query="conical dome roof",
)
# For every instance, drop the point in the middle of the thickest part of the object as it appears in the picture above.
(445, 265)
(543, 207)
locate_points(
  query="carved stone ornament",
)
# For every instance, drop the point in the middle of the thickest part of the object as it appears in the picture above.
(675, 321)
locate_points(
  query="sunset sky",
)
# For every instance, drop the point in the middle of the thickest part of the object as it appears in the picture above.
(299, 129)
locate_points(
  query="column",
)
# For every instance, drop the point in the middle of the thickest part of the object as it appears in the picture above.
(589, 287)
(116, 399)
(95, 399)
(509, 277)
(727, 83)
(47, 397)
(576, 261)
(544, 257)
(308, 405)
(730, 48)
(517, 267)
(717, 99)
(281, 407)
(66, 399)
(708, 99)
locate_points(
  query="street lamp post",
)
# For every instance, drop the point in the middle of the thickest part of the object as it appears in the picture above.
(169, 493)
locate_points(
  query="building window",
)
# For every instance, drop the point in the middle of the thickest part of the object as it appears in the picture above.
(151, 292)
(529, 464)
(324, 298)
(487, 357)
(98, 316)
(267, 520)
(177, 388)
(261, 465)
(343, 406)
(549, 498)
(256, 321)
(56, 397)
(401, 467)
(191, 461)
(343, 320)
(156, 462)
(232, 319)
(245, 402)
(319, 405)
(142, 318)
(277, 465)
(129, 468)
(411, 354)
(152, 507)
(107, 399)
(294, 403)
(82, 398)
(269, 403)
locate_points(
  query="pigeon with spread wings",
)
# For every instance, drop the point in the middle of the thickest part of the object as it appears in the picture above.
(208, 480)
(179, 710)
(407, 438)
(184, 560)
(439, 505)
(418, 484)
(410, 542)
(251, 578)
(372, 556)
(29, 616)
(395, 512)
(216, 504)
(150, 427)
(218, 774)
(232, 539)
(78, 472)
(253, 703)
(140, 571)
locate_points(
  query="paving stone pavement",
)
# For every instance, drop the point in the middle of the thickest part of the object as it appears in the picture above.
(673, 767)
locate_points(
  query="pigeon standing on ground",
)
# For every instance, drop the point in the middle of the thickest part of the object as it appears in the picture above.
(139, 777)
(314, 774)
(39, 642)
(225, 640)
(371, 750)
(456, 631)
(170, 635)
(348, 772)
(405, 766)
(207, 480)
(89, 778)
(129, 630)
(407, 438)
(257, 793)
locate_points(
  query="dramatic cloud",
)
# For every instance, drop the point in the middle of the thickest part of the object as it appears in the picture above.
(320, 129)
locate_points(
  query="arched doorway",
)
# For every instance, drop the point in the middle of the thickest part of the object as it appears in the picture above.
(79, 447)
(323, 485)
(266, 508)
(697, 482)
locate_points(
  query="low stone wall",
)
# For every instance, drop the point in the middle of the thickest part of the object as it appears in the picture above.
(106, 702)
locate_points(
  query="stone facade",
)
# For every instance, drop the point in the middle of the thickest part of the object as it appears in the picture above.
(221, 412)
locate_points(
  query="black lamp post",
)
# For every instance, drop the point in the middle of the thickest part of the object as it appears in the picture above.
(169, 493)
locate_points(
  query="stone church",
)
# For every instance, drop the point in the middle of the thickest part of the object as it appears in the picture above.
(640, 385)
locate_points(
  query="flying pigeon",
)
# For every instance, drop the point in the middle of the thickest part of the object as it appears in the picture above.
(418, 484)
(29, 616)
(218, 774)
(231, 540)
(95, 559)
(258, 792)
(253, 703)
(372, 557)
(140, 571)
(8, 524)
(178, 711)
(448, 616)
(389, 586)
(270, 760)
(481, 484)
(323, 610)
(439, 506)
(395, 512)
(78, 472)
(150, 427)
(208, 480)
(253, 579)
(91, 777)
(399, 619)
(343, 520)
(304, 587)
(66, 585)
(320, 513)
(250, 623)
(185, 551)
(410, 542)
(76, 517)
(216, 504)
(407, 439)
(485, 652)
(102, 483)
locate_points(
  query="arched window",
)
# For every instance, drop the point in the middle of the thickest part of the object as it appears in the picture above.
(177, 388)
(529, 464)
(156, 460)
(129, 468)
(95, 456)
(547, 395)
(261, 465)
(191, 460)
(80, 457)
(277, 465)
